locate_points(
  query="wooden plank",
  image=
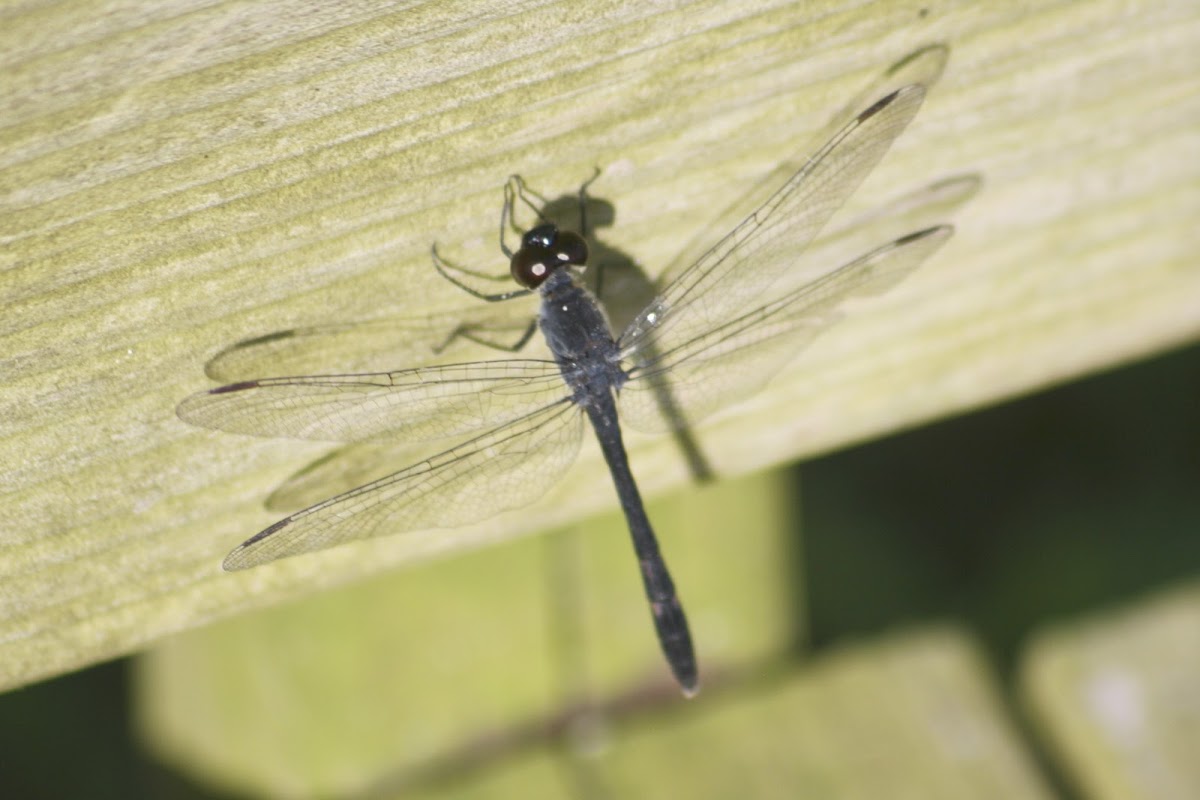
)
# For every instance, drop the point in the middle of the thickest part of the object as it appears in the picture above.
(179, 177)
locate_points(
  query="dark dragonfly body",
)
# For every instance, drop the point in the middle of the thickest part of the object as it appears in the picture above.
(578, 334)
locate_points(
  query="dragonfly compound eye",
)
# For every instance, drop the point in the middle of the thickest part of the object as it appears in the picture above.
(543, 250)
(530, 266)
(570, 248)
(540, 236)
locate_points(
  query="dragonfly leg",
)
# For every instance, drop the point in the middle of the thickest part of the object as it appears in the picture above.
(453, 273)
(479, 335)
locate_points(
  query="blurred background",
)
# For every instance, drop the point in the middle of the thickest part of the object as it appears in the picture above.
(1071, 502)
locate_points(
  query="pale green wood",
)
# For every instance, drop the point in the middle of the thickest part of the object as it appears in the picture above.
(913, 715)
(474, 659)
(176, 177)
(1117, 700)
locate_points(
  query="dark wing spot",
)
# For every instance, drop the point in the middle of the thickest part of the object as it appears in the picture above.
(912, 237)
(235, 387)
(878, 106)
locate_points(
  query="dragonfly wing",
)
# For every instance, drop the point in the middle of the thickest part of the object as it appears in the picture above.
(679, 387)
(922, 68)
(424, 403)
(507, 467)
(926, 207)
(366, 346)
(344, 469)
(728, 278)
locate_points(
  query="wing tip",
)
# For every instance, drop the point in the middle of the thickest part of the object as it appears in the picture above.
(243, 556)
(941, 231)
(877, 106)
(194, 408)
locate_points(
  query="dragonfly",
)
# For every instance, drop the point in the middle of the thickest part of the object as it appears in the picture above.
(726, 319)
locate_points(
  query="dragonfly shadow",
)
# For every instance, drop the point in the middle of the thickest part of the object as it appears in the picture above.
(381, 344)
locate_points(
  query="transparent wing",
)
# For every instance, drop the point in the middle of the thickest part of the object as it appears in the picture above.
(728, 278)
(926, 207)
(913, 211)
(733, 361)
(507, 467)
(921, 68)
(344, 469)
(423, 403)
(368, 346)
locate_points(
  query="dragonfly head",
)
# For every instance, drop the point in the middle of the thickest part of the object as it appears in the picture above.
(544, 249)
